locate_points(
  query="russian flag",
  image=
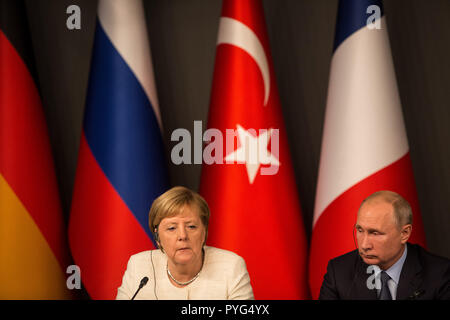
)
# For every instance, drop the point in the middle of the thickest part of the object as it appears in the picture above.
(364, 144)
(121, 165)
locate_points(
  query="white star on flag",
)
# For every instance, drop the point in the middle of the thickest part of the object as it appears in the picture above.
(253, 152)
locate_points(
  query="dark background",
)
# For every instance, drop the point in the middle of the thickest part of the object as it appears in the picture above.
(183, 35)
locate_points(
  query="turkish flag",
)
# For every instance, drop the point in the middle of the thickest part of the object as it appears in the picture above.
(255, 211)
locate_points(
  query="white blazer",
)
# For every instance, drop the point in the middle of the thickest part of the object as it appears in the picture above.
(224, 276)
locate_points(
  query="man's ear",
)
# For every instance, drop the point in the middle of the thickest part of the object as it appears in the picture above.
(406, 233)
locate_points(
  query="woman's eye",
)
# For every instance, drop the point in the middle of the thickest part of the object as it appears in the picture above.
(192, 227)
(171, 228)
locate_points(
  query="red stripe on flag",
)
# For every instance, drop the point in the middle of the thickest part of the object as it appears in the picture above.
(25, 154)
(333, 232)
(103, 232)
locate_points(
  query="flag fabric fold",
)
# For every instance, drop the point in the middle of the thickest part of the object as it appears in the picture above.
(33, 246)
(121, 164)
(364, 144)
(251, 190)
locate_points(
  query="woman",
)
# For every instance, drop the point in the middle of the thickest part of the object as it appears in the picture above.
(183, 267)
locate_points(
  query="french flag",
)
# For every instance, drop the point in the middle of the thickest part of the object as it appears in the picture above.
(121, 165)
(364, 144)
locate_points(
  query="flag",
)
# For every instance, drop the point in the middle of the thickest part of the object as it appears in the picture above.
(33, 246)
(121, 165)
(364, 144)
(250, 186)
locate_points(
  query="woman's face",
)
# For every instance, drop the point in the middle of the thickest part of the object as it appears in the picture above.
(182, 236)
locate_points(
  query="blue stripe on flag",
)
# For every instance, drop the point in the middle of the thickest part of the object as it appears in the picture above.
(352, 16)
(122, 130)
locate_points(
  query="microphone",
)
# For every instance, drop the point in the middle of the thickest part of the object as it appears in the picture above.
(144, 281)
(416, 294)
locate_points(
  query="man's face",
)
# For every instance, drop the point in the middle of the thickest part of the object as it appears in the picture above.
(380, 240)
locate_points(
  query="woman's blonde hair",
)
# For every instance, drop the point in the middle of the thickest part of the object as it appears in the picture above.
(171, 202)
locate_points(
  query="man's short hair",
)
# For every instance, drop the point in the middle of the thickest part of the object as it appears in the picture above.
(402, 209)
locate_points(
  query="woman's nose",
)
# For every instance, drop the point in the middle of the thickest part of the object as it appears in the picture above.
(182, 234)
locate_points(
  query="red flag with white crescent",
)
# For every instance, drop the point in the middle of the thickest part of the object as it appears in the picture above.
(250, 188)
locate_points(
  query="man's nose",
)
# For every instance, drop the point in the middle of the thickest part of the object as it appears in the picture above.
(365, 242)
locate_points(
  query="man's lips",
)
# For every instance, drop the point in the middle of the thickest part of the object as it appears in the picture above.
(368, 256)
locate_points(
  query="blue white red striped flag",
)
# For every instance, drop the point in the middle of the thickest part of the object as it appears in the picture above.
(121, 165)
(364, 147)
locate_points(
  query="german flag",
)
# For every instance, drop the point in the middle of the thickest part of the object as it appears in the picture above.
(33, 249)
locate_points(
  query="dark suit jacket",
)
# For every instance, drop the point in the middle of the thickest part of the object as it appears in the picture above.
(423, 274)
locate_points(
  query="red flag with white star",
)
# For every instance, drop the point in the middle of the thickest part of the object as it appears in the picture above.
(251, 191)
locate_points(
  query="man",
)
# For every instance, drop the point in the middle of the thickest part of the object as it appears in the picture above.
(385, 266)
